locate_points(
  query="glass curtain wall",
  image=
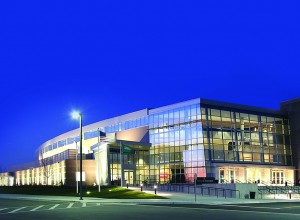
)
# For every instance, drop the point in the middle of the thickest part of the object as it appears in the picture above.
(239, 137)
(140, 160)
(177, 150)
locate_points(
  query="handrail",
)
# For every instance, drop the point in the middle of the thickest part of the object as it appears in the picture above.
(226, 181)
(215, 189)
(181, 187)
(260, 191)
(237, 181)
(218, 189)
(279, 189)
(251, 181)
(210, 189)
(263, 183)
(274, 189)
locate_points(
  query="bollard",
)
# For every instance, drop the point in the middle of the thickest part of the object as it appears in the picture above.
(290, 194)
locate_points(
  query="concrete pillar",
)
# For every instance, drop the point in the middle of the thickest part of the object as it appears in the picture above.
(270, 176)
(242, 132)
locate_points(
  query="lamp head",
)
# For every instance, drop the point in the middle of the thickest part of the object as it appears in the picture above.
(76, 115)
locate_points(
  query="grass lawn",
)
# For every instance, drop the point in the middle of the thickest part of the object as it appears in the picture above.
(112, 192)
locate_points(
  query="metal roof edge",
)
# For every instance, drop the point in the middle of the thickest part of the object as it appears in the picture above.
(239, 106)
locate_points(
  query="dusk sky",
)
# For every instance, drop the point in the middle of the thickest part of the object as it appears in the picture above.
(108, 58)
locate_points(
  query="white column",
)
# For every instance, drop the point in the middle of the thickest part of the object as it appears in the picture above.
(271, 176)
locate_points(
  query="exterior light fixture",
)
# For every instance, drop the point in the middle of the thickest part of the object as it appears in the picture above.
(75, 115)
(290, 194)
(155, 188)
(78, 116)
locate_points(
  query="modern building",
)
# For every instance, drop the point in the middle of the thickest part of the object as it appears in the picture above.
(230, 143)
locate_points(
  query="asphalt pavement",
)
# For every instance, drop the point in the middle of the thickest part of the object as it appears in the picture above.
(83, 210)
(176, 206)
(172, 198)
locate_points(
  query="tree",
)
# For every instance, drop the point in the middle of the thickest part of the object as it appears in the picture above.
(45, 165)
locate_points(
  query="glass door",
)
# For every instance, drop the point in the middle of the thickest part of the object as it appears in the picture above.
(128, 174)
(232, 175)
(221, 176)
(277, 177)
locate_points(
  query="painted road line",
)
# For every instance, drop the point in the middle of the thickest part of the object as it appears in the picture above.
(53, 207)
(70, 205)
(228, 210)
(84, 204)
(13, 211)
(290, 207)
(32, 210)
(254, 207)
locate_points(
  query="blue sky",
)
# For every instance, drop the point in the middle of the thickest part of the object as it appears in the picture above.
(110, 58)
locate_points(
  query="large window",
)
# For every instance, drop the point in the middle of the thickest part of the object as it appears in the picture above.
(241, 137)
(176, 135)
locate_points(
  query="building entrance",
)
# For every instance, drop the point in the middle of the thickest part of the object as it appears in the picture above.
(129, 176)
(277, 177)
(228, 174)
(221, 176)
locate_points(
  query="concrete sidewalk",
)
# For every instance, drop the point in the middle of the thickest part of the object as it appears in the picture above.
(177, 197)
(172, 198)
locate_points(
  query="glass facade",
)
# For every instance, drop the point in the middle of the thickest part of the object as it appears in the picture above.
(192, 138)
(239, 137)
(65, 155)
(135, 174)
(195, 137)
(135, 123)
(177, 150)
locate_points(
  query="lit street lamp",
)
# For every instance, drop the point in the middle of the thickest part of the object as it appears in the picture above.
(290, 194)
(155, 188)
(78, 115)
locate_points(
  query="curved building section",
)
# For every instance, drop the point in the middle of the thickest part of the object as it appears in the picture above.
(62, 146)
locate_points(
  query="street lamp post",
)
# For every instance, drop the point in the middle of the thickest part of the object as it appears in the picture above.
(99, 179)
(76, 168)
(77, 115)
(195, 186)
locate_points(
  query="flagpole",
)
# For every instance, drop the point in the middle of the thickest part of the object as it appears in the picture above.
(121, 163)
